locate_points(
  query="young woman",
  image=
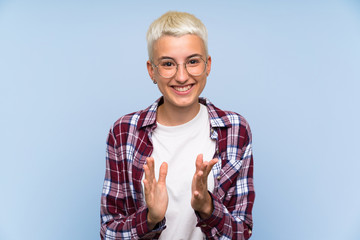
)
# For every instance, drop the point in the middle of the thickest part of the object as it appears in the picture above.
(182, 168)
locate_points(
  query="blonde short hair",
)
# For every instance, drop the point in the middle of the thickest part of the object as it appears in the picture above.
(175, 24)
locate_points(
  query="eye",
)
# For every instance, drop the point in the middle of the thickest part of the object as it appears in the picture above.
(193, 61)
(167, 63)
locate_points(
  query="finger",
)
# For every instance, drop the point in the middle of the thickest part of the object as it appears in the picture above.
(196, 195)
(210, 165)
(151, 165)
(213, 162)
(200, 174)
(199, 162)
(147, 171)
(199, 180)
(146, 187)
(204, 172)
(163, 172)
(204, 166)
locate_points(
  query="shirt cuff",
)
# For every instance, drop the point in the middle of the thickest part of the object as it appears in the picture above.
(215, 223)
(215, 220)
(142, 228)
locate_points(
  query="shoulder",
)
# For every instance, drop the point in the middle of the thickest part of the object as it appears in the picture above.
(134, 122)
(238, 127)
(225, 118)
(126, 124)
(128, 119)
(236, 119)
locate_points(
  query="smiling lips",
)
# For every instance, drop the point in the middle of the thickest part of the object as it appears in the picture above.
(183, 88)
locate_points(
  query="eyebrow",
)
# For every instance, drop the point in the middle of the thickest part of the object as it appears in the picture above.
(167, 57)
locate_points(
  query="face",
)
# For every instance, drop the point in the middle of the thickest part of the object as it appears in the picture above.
(182, 90)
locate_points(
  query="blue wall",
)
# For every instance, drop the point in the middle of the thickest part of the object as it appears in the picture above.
(69, 69)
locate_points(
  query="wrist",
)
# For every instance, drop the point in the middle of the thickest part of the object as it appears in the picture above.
(150, 223)
(207, 208)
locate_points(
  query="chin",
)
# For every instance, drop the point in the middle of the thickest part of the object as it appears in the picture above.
(185, 102)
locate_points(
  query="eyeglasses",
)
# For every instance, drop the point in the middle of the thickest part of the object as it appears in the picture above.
(167, 68)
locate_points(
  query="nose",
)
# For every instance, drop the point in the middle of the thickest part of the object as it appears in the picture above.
(181, 75)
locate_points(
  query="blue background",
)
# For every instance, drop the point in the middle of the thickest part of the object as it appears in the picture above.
(69, 69)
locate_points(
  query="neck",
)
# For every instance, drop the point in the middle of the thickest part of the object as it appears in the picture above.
(174, 116)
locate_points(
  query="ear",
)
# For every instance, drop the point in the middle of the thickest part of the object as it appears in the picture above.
(150, 69)
(208, 66)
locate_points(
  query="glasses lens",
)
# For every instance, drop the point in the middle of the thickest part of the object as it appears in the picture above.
(167, 68)
(195, 66)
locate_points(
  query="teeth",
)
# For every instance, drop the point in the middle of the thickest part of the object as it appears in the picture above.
(182, 89)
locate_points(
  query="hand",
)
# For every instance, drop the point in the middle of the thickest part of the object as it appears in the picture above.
(200, 198)
(156, 196)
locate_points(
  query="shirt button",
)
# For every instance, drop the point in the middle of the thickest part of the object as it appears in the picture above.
(218, 178)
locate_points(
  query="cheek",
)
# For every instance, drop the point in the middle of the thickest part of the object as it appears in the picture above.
(161, 87)
(203, 82)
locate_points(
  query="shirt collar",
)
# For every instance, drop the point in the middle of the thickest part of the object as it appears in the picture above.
(218, 118)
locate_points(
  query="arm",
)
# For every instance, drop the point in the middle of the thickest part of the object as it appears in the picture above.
(120, 217)
(233, 201)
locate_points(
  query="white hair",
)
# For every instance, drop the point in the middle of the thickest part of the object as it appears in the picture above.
(175, 24)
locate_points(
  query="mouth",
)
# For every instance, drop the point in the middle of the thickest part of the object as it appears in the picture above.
(183, 88)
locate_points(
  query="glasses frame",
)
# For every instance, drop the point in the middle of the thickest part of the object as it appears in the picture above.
(177, 68)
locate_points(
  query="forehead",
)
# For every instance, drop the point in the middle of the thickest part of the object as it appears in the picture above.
(178, 47)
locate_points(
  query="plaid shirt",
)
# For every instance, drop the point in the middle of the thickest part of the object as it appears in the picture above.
(123, 207)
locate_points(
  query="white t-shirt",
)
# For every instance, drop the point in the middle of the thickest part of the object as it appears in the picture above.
(179, 147)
